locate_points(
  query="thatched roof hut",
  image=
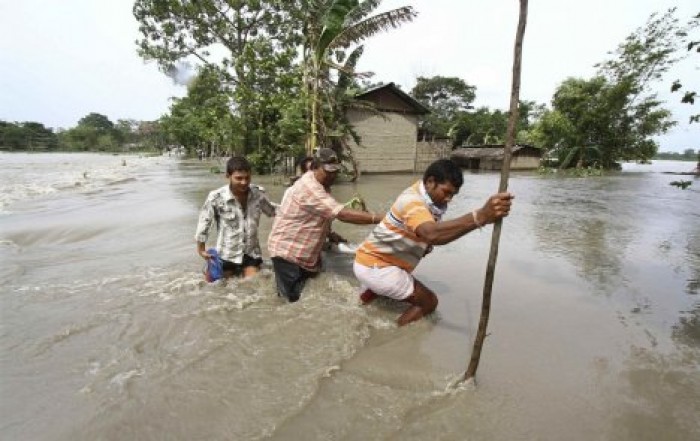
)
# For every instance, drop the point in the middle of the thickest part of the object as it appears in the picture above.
(490, 157)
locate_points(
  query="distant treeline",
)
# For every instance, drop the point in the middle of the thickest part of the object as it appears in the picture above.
(94, 132)
(687, 155)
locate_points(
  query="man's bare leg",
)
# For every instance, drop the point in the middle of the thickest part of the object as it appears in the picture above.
(250, 271)
(423, 301)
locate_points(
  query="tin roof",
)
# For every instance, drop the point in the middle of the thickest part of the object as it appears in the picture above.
(408, 99)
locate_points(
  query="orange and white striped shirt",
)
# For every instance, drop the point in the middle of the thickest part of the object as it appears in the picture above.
(394, 242)
(302, 223)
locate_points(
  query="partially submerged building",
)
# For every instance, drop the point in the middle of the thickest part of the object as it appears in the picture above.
(389, 133)
(390, 141)
(490, 157)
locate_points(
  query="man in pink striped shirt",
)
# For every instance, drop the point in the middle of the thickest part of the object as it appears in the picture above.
(302, 223)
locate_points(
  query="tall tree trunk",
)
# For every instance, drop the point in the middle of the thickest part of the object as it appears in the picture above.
(314, 118)
(503, 186)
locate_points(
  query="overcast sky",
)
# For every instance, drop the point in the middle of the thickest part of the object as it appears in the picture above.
(60, 60)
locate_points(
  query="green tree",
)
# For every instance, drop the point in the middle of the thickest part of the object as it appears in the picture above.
(340, 101)
(81, 138)
(97, 121)
(125, 132)
(693, 44)
(175, 32)
(28, 135)
(11, 136)
(612, 116)
(203, 119)
(151, 134)
(274, 94)
(449, 99)
(93, 132)
(445, 96)
(486, 126)
(332, 27)
(39, 137)
(482, 126)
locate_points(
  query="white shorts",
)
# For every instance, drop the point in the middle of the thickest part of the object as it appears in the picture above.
(389, 281)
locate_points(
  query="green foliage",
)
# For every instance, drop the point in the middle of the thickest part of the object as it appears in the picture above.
(27, 136)
(681, 184)
(484, 126)
(692, 44)
(249, 44)
(331, 27)
(203, 119)
(647, 53)
(446, 97)
(95, 132)
(291, 128)
(357, 203)
(260, 162)
(450, 101)
(613, 116)
(273, 61)
(97, 121)
(687, 155)
(597, 122)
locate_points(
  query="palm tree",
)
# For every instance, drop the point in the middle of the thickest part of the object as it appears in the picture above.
(331, 27)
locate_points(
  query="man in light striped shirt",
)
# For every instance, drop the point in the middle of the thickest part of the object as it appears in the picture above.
(386, 259)
(303, 222)
(235, 208)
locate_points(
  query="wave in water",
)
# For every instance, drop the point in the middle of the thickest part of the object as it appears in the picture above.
(26, 177)
(234, 350)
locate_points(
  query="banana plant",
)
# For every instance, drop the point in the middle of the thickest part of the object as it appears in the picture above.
(332, 27)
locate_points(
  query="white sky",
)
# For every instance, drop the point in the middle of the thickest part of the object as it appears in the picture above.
(60, 60)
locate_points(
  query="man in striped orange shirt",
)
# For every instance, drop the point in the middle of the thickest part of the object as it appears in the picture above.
(386, 259)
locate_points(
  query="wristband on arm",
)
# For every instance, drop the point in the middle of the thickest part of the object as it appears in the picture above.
(475, 217)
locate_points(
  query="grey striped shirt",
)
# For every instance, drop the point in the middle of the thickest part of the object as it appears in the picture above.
(237, 231)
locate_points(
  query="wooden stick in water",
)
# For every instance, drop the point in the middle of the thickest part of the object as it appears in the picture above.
(503, 186)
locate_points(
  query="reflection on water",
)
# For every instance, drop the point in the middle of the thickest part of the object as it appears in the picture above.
(692, 235)
(109, 332)
(687, 330)
(659, 393)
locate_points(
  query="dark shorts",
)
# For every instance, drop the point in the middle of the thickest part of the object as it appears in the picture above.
(236, 269)
(290, 278)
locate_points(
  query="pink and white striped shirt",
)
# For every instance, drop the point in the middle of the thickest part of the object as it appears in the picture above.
(302, 223)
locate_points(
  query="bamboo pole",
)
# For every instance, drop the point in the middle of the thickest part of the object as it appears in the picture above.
(503, 186)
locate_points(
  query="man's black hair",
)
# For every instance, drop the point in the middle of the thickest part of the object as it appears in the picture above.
(307, 163)
(237, 163)
(444, 170)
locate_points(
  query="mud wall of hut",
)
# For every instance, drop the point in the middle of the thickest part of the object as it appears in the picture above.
(524, 162)
(388, 143)
(429, 151)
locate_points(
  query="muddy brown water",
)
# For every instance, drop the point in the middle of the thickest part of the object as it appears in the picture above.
(108, 332)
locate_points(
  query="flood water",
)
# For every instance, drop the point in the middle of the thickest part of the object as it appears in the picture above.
(108, 331)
